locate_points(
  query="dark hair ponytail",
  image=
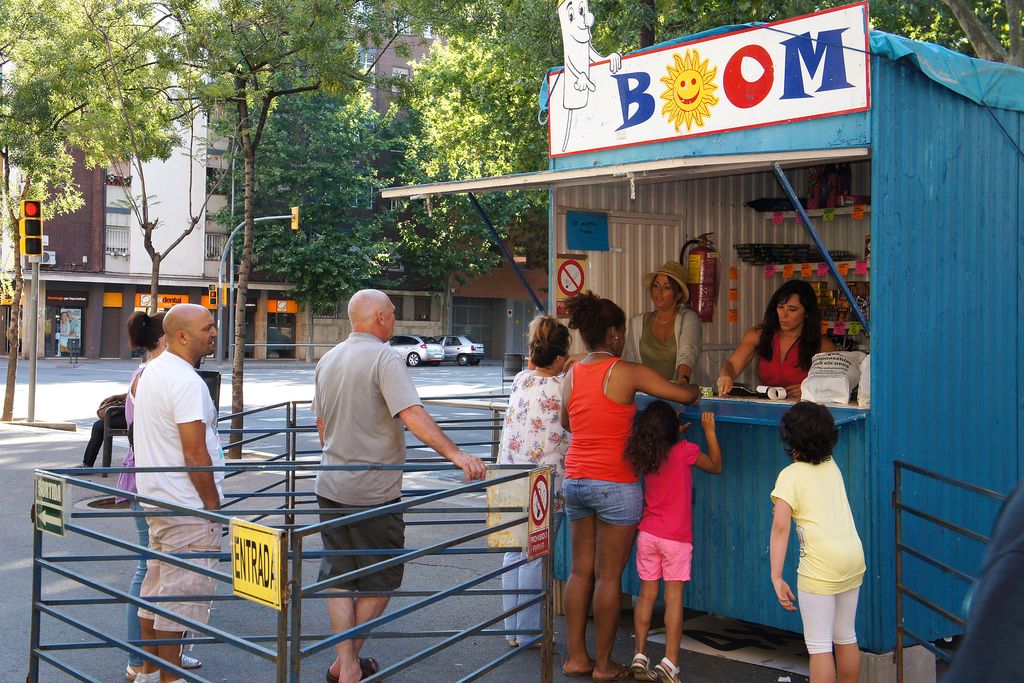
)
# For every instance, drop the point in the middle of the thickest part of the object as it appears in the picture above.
(144, 330)
(549, 339)
(593, 317)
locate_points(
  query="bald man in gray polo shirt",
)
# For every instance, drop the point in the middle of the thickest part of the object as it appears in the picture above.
(363, 397)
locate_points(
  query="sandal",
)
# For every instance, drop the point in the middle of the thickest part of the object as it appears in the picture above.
(622, 674)
(368, 666)
(640, 668)
(667, 671)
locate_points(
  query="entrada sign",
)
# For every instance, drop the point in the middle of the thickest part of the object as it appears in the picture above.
(803, 68)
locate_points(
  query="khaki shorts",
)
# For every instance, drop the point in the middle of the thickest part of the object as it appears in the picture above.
(174, 535)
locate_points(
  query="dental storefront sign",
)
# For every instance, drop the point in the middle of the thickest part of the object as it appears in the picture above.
(803, 68)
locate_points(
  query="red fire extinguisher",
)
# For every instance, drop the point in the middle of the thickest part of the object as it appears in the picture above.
(701, 275)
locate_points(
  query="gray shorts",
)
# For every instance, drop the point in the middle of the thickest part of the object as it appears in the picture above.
(380, 533)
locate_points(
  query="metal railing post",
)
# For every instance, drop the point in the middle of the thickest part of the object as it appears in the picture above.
(897, 498)
(495, 434)
(295, 608)
(37, 596)
(289, 476)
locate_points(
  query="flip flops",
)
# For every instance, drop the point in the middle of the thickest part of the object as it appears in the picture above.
(367, 665)
(640, 668)
(622, 674)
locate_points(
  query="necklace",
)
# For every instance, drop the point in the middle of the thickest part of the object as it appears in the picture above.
(663, 322)
(592, 353)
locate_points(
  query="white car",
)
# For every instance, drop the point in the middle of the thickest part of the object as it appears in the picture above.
(460, 349)
(415, 350)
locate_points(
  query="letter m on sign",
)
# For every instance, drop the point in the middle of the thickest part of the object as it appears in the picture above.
(826, 52)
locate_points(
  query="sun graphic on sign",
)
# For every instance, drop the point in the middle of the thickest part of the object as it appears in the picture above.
(689, 91)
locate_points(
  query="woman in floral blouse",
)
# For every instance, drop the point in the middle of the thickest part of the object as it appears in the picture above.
(533, 435)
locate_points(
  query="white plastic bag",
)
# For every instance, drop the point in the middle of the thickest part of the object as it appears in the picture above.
(832, 377)
(864, 393)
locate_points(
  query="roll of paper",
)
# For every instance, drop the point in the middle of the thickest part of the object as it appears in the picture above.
(773, 393)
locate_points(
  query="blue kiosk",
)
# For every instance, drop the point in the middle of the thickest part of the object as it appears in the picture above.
(928, 244)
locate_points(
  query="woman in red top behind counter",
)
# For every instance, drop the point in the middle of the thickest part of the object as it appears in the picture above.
(784, 343)
(603, 499)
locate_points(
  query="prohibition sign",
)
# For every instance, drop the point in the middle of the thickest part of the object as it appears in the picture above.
(539, 501)
(570, 277)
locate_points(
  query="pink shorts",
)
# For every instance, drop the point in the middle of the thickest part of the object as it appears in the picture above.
(660, 558)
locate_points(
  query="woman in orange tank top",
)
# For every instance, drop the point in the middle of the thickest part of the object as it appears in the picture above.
(603, 499)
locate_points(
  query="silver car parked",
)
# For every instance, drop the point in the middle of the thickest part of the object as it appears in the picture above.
(461, 349)
(415, 350)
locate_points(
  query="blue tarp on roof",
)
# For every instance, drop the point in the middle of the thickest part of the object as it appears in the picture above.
(986, 83)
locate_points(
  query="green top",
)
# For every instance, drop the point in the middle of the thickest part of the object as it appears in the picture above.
(658, 356)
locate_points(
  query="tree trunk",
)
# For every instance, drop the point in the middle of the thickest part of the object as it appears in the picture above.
(238, 364)
(13, 336)
(647, 29)
(154, 282)
(14, 326)
(310, 350)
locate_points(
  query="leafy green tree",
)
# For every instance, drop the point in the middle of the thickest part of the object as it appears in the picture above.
(316, 154)
(40, 97)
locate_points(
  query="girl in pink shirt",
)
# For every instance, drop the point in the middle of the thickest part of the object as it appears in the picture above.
(664, 544)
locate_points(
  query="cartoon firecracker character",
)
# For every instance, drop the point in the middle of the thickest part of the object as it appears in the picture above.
(576, 19)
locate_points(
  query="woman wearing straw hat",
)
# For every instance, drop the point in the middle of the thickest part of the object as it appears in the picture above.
(667, 339)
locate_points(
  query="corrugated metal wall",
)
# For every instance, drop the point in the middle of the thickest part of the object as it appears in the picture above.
(647, 231)
(948, 200)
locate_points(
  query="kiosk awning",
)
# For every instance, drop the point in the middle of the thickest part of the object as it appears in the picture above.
(662, 170)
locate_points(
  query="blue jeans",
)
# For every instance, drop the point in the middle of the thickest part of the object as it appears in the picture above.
(611, 501)
(131, 613)
(525, 577)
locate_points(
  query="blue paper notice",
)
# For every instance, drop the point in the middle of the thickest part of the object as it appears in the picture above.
(585, 231)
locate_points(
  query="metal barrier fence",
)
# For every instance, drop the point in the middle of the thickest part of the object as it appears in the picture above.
(450, 513)
(903, 548)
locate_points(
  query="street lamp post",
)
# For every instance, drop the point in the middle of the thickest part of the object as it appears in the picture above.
(220, 280)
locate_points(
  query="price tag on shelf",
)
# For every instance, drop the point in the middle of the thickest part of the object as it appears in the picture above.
(787, 270)
(769, 271)
(858, 212)
(844, 268)
(861, 268)
(855, 329)
(822, 269)
(734, 294)
(734, 315)
(734, 273)
(805, 270)
(778, 218)
(829, 215)
(840, 327)
(824, 327)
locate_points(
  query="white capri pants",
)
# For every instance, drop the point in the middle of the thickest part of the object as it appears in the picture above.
(828, 619)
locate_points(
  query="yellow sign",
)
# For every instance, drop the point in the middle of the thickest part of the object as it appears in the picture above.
(257, 563)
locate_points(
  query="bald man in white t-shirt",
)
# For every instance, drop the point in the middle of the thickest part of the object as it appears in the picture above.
(176, 426)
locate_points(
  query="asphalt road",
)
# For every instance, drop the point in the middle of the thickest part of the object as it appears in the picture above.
(66, 393)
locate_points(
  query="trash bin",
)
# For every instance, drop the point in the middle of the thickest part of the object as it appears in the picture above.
(212, 380)
(511, 365)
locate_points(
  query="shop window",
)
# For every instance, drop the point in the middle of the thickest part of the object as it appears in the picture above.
(367, 59)
(421, 306)
(399, 302)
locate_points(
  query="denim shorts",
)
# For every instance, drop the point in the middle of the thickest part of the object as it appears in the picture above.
(613, 502)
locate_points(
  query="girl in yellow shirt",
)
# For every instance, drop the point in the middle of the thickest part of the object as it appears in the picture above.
(812, 494)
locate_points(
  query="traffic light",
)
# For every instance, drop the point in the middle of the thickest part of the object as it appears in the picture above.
(213, 295)
(295, 218)
(31, 227)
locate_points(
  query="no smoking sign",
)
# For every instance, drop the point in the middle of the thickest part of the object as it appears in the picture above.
(570, 277)
(538, 539)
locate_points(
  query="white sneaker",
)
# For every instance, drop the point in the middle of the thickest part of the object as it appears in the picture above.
(189, 662)
(148, 678)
